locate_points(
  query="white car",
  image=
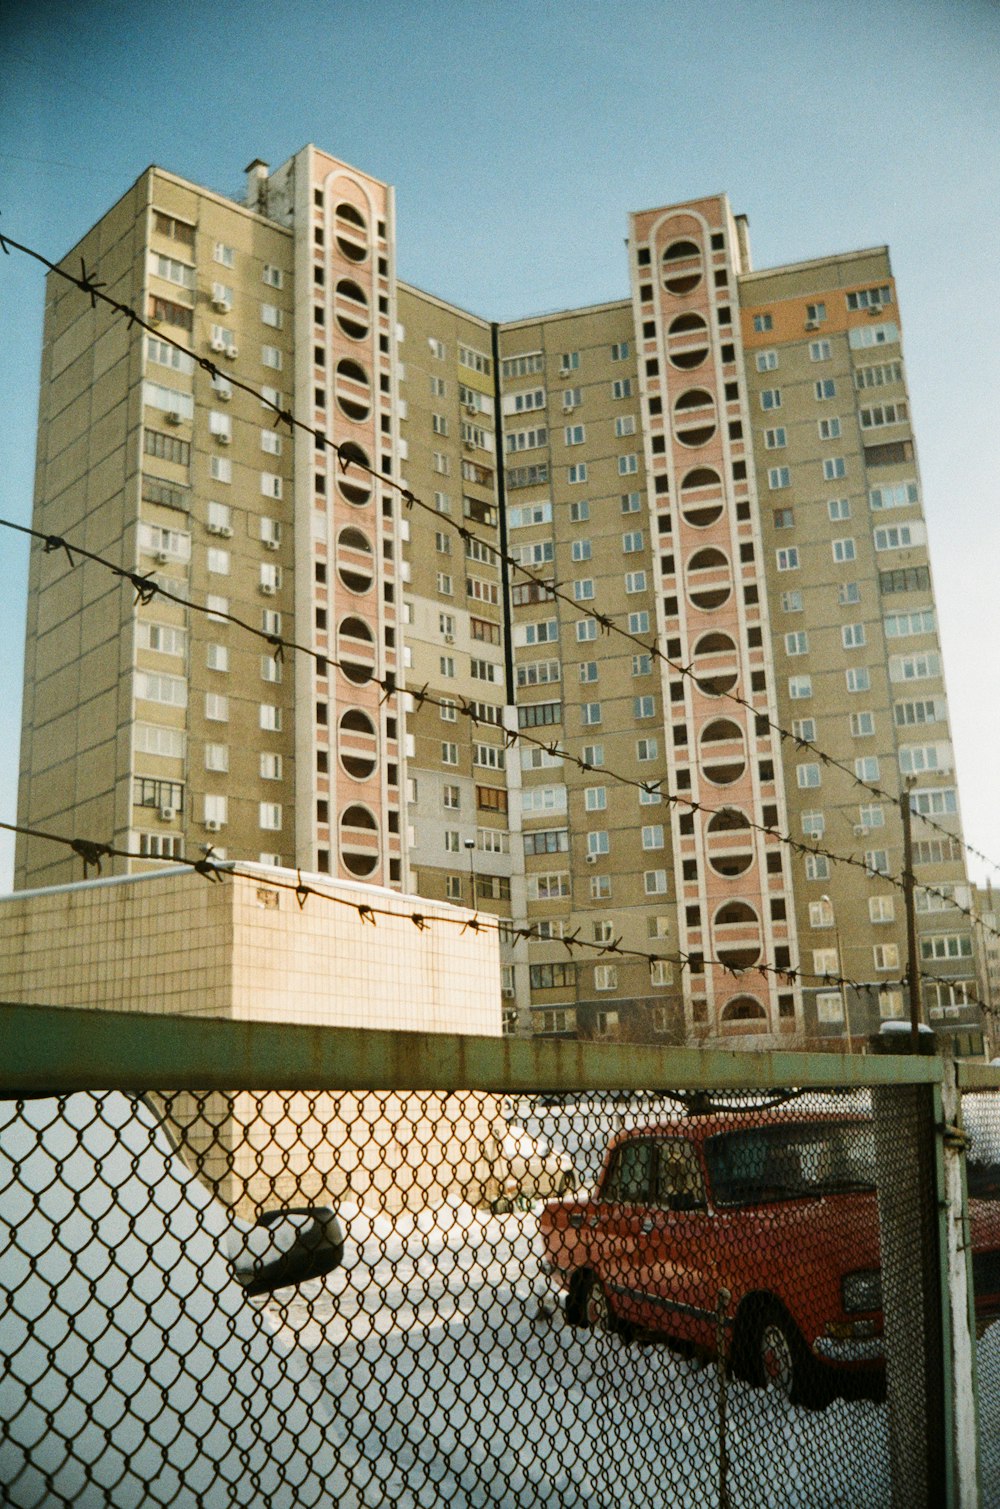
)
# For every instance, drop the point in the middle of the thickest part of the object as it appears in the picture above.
(135, 1369)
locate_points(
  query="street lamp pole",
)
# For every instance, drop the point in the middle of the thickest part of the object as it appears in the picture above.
(470, 844)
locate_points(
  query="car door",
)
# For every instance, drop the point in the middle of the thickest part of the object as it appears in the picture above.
(677, 1269)
(619, 1250)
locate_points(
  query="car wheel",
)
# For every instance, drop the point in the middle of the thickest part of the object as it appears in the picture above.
(597, 1311)
(779, 1360)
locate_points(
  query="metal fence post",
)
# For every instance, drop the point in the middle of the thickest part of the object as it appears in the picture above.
(910, 1218)
(956, 1270)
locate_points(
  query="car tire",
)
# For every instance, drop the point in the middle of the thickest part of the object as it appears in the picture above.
(598, 1315)
(774, 1356)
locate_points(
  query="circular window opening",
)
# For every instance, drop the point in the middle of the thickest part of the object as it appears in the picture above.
(358, 744)
(352, 389)
(715, 672)
(730, 843)
(356, 650)
(694, 417)
(736, 931)
(743, 1009)
(359, 848)
(355, 561)
(708, 579)
(723, 756)
(682, 267)
(355, 486)
(687, 342)
(702, 501)
(350, 309)
(352, 232)
(736, 913)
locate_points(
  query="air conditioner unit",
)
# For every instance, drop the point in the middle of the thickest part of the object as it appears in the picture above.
(222, 305)
(861, 830)
(470, 445)
(592, 859)
(212, 824)
(173, 417)
(874, 308)
(223, 437)
(222, 529)
(812, 324)
(268, 589)
(217, 344)
(232, 352)
(568, 408)
(167, 814)
(155, 321)
(449, 639)
(563, 371)
(223, 394)
(470, 408)
(270, 544)
(161, 557)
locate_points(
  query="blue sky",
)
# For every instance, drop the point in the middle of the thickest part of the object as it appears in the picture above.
(519, 136)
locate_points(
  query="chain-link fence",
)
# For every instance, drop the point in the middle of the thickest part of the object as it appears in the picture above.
(710, 1294)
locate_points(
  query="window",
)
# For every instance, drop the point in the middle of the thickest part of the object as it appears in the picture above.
(635, 581)
(652, 836)
(172, 270)
(270, 767)
(446, 665)
(590, 713)
(778, 477)
(900, 625)
(625, 425)
(218, 561)
(551, 976)
(600, 887)
(548, 887)
(606, 978)
(152, 687)
(813, 824)
(834, 468)
(577, 472)
(638, 623)
(271, 356)
(829, 429)
(441, 463)
(166, 639)
(886, 955)
(215, 809)
(524, 514)
(534, 673)
(816, 313)
(866, 768)
(862, 725)
(647, 749)
(270, 576)
(588, 670)
(821, 913)
(439, 424)
(799, 687)
(770, 398)
(898, 495)
(655, 882)
(817, 867)
(270, 718)
(598, 843)
(847, 593)
(820, 351)
(270, 816)
(870, 816)
(154, 738)
(632, 542)
(929, 711)
(899, 536)
(870, 298)
(593, 755)
(642, 665)
(941, 802)
(216, 707)
(774, 440)
(218, 607)
(627, 465)
(805, 729)
(762, 323)
(838, 508)
(595, 798)
(767, 361)
(797, 643)
(882, 909)
(270, 485)
(643, 707)
(858, 679)
(444, 584)
(534, 398)
(852, 636)
(620, 351)
(527, 440)
(791, 602)
(217, 657)
(476, 361)
(523, 366)
(622, 388)
(881, 415)
(536, 799)
(843, 550)
(914, 667)
(946, 946)
(580, 550)
(170, 400)
(583, 589)
(807, 775)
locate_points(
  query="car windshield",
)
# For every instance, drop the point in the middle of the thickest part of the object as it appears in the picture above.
(755, 1165)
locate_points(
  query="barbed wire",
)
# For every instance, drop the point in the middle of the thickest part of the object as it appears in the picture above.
(215, 870)
(349, 455)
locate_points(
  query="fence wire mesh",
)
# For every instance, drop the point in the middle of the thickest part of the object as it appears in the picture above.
(981, 1123)
(424, 1299)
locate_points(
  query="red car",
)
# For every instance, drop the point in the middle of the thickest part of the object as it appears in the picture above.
(761, 1230)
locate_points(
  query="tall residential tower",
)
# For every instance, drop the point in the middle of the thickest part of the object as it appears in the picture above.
(715, 475)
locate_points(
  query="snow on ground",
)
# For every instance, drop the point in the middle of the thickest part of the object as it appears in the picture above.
(444, 1383)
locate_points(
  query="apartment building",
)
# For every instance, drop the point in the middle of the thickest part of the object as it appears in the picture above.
(655, 601)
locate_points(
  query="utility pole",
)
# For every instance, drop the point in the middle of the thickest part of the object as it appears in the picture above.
(912, 966)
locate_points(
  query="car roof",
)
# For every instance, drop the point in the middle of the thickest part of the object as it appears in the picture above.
(700, 1127)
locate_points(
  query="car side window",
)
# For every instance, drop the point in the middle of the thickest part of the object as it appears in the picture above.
(679, 1182)
(628, 1178)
